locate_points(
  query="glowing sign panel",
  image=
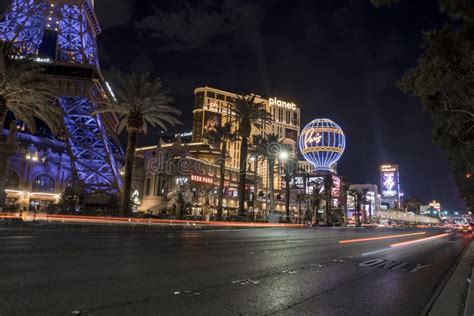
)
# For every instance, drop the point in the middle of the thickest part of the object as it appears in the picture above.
(389, 178)
(322, 143)
(282, 104)
(202, 179)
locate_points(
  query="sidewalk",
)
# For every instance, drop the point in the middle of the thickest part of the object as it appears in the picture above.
(457, 295)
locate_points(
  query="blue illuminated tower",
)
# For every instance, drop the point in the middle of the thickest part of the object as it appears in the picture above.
(62, 34)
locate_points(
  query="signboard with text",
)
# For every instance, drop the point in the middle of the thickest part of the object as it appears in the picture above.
(389, 180)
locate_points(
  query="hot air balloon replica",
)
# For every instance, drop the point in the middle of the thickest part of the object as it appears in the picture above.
(322, 143)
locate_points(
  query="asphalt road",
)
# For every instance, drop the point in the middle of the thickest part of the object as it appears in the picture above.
(221, 272)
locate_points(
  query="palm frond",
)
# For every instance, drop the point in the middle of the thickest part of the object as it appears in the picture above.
(27, 92)
(142, 101)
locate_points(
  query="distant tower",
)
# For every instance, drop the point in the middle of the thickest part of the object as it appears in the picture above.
(62, 35)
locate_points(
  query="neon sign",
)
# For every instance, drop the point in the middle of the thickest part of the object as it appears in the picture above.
(389, 178)
(322, 143)
(282, 104)
(202, 179)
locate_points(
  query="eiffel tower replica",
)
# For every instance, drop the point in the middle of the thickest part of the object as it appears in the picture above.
(62, 35)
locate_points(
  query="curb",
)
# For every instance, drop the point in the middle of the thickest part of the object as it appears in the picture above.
(469, 310)
(450, 298)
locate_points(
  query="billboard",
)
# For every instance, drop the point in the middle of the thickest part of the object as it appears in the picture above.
(211, 121)
(390, 181)
(336, 186)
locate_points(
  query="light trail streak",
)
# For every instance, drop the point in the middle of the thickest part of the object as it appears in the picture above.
(411, 242)
(349, 241)
(145, 221)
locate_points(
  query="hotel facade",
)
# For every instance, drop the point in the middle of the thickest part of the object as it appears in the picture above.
(200, 180)
(213, 107)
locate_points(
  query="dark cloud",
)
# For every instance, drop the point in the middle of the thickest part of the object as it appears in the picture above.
(194, 25)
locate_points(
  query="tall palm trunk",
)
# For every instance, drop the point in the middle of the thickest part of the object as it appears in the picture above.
(271, 169)
(220, 195)
(359, 210)
(7, 149)
(287, 198)
(4, 158)
(328, 208)
(243, 174)
(346, 220)
(129, 161)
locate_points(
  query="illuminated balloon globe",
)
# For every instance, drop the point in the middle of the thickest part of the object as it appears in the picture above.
(322, 143)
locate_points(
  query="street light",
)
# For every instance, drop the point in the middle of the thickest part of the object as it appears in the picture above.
(284, 155)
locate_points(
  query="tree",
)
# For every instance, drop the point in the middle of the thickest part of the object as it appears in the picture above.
(345, 186)
(290, 170)
(258, 154)
(328, 186)
(73, 197)
(317, 194)
(247, 114)
(364, 201)
(272, 145)
(219, 137)
(181, 198)
(141, 101)
(357, 195)
(443, 81)
(29, 95)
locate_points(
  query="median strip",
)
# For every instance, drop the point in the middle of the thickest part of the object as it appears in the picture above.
(349, 241)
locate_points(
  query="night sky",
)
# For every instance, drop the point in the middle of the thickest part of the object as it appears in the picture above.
(335, 59)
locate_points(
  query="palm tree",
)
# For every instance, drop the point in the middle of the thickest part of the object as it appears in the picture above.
(317, 195)
(272, 145)
(219, 137)
(258, 153)
(359, 196)
(364, 203)
(290, 166)
(328, 186)
(141, 101)
(345, 186)
(247, 113)
(29, 95)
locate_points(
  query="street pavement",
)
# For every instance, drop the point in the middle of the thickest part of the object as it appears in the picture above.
(276, 271)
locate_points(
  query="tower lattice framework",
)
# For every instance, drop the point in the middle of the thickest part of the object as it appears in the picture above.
(62, 34)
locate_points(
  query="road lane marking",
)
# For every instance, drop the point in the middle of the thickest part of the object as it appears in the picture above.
(348, 241)
(376, 251)
(393, 265)
(419, 267)
(411, 242)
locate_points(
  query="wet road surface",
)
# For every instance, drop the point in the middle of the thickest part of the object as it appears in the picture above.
(222, 272)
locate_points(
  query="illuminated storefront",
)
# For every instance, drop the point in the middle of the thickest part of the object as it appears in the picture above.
(39, 172)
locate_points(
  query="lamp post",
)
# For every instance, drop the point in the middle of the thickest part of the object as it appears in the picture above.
(284, 157)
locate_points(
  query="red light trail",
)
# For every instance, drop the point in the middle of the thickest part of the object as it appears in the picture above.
(349, 241)
(144, 221)
(418, 240)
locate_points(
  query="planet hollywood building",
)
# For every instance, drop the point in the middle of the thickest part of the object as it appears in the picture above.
(212, 107)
